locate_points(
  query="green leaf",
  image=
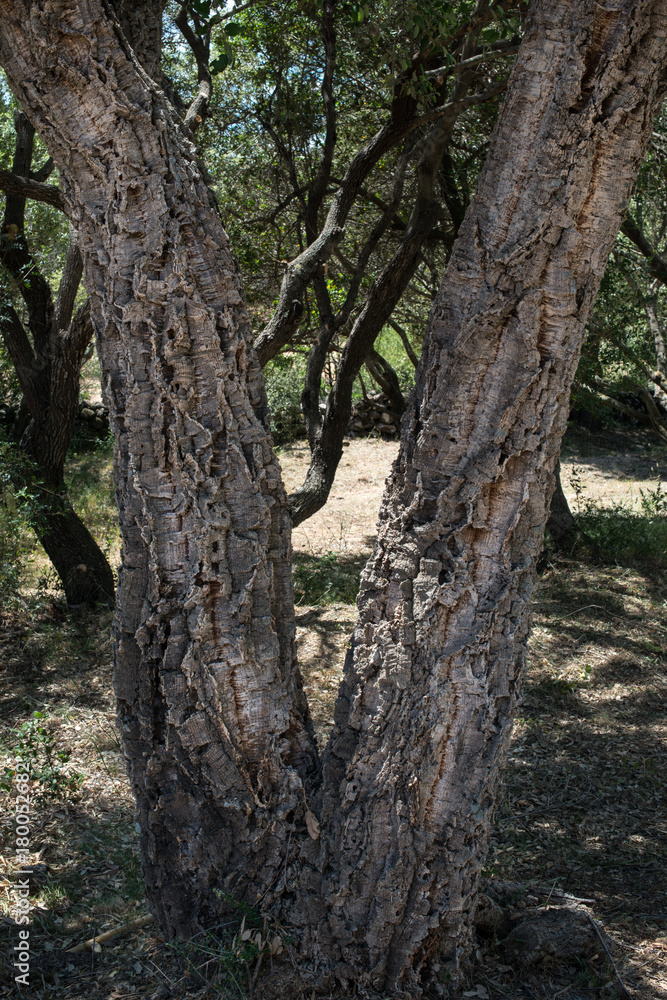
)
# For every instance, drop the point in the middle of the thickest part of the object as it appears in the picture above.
(201, 7)
(219, 64)
(233, 29)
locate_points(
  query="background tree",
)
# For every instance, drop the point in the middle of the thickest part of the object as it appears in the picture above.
(46, 340)
(376, 856)
(624, 363)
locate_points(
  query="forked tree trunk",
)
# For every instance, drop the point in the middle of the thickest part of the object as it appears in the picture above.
(214, 725)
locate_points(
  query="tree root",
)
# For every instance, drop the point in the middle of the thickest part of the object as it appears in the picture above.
(536, 924)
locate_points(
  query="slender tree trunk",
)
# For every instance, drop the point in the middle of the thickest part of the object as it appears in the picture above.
(562, 524)
(48, 368)
(659, 344)
(214, 725)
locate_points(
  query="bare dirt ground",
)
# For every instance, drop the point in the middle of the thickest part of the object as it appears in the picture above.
(584, 800)
(611, 467)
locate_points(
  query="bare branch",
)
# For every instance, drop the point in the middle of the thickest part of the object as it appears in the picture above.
(593, 386)
(26, 187)
(44, 171)
(657, 264)
(320, 182)
(285, 319)
(237, 10)
(201, 50)
(414, 360)
(494, 52)
(69, 283)
(376, 234)
(382, 299)
(651, 418)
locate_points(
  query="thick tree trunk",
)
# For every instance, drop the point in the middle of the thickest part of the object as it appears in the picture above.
(214, 724)
(425, 709)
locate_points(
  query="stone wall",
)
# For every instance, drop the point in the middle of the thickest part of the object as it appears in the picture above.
(374, 415)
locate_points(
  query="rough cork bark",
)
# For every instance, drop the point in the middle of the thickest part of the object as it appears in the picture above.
(425, 708)
(214, 725)
(213, 720)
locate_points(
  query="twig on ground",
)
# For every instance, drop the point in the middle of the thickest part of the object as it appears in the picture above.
(109, 935)
(560, 894)
(624, 990)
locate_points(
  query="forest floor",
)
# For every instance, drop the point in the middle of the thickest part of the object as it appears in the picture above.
(585, 792)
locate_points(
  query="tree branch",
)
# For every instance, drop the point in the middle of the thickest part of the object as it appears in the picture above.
(414, 360)
(358, 270)
(27, 187)
(34, 385)
(650, 419)
(494, 52)
(654, 375)
(319, 185)
(201, 50)
(69, 283)
(382, 299)
(657, 264)
(237, 10)
(285, 319)
(44, 171)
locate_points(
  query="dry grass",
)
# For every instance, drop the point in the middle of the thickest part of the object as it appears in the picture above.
(584, 805)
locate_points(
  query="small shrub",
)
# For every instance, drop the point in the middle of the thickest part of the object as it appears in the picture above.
(622, 534)
(284, 377)
(35, 745)
(327, 579)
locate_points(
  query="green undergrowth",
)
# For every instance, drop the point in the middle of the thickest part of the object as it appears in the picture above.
(624, 535)
(32, 749)
(231, 955)
(90, 486)
(328, 579)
